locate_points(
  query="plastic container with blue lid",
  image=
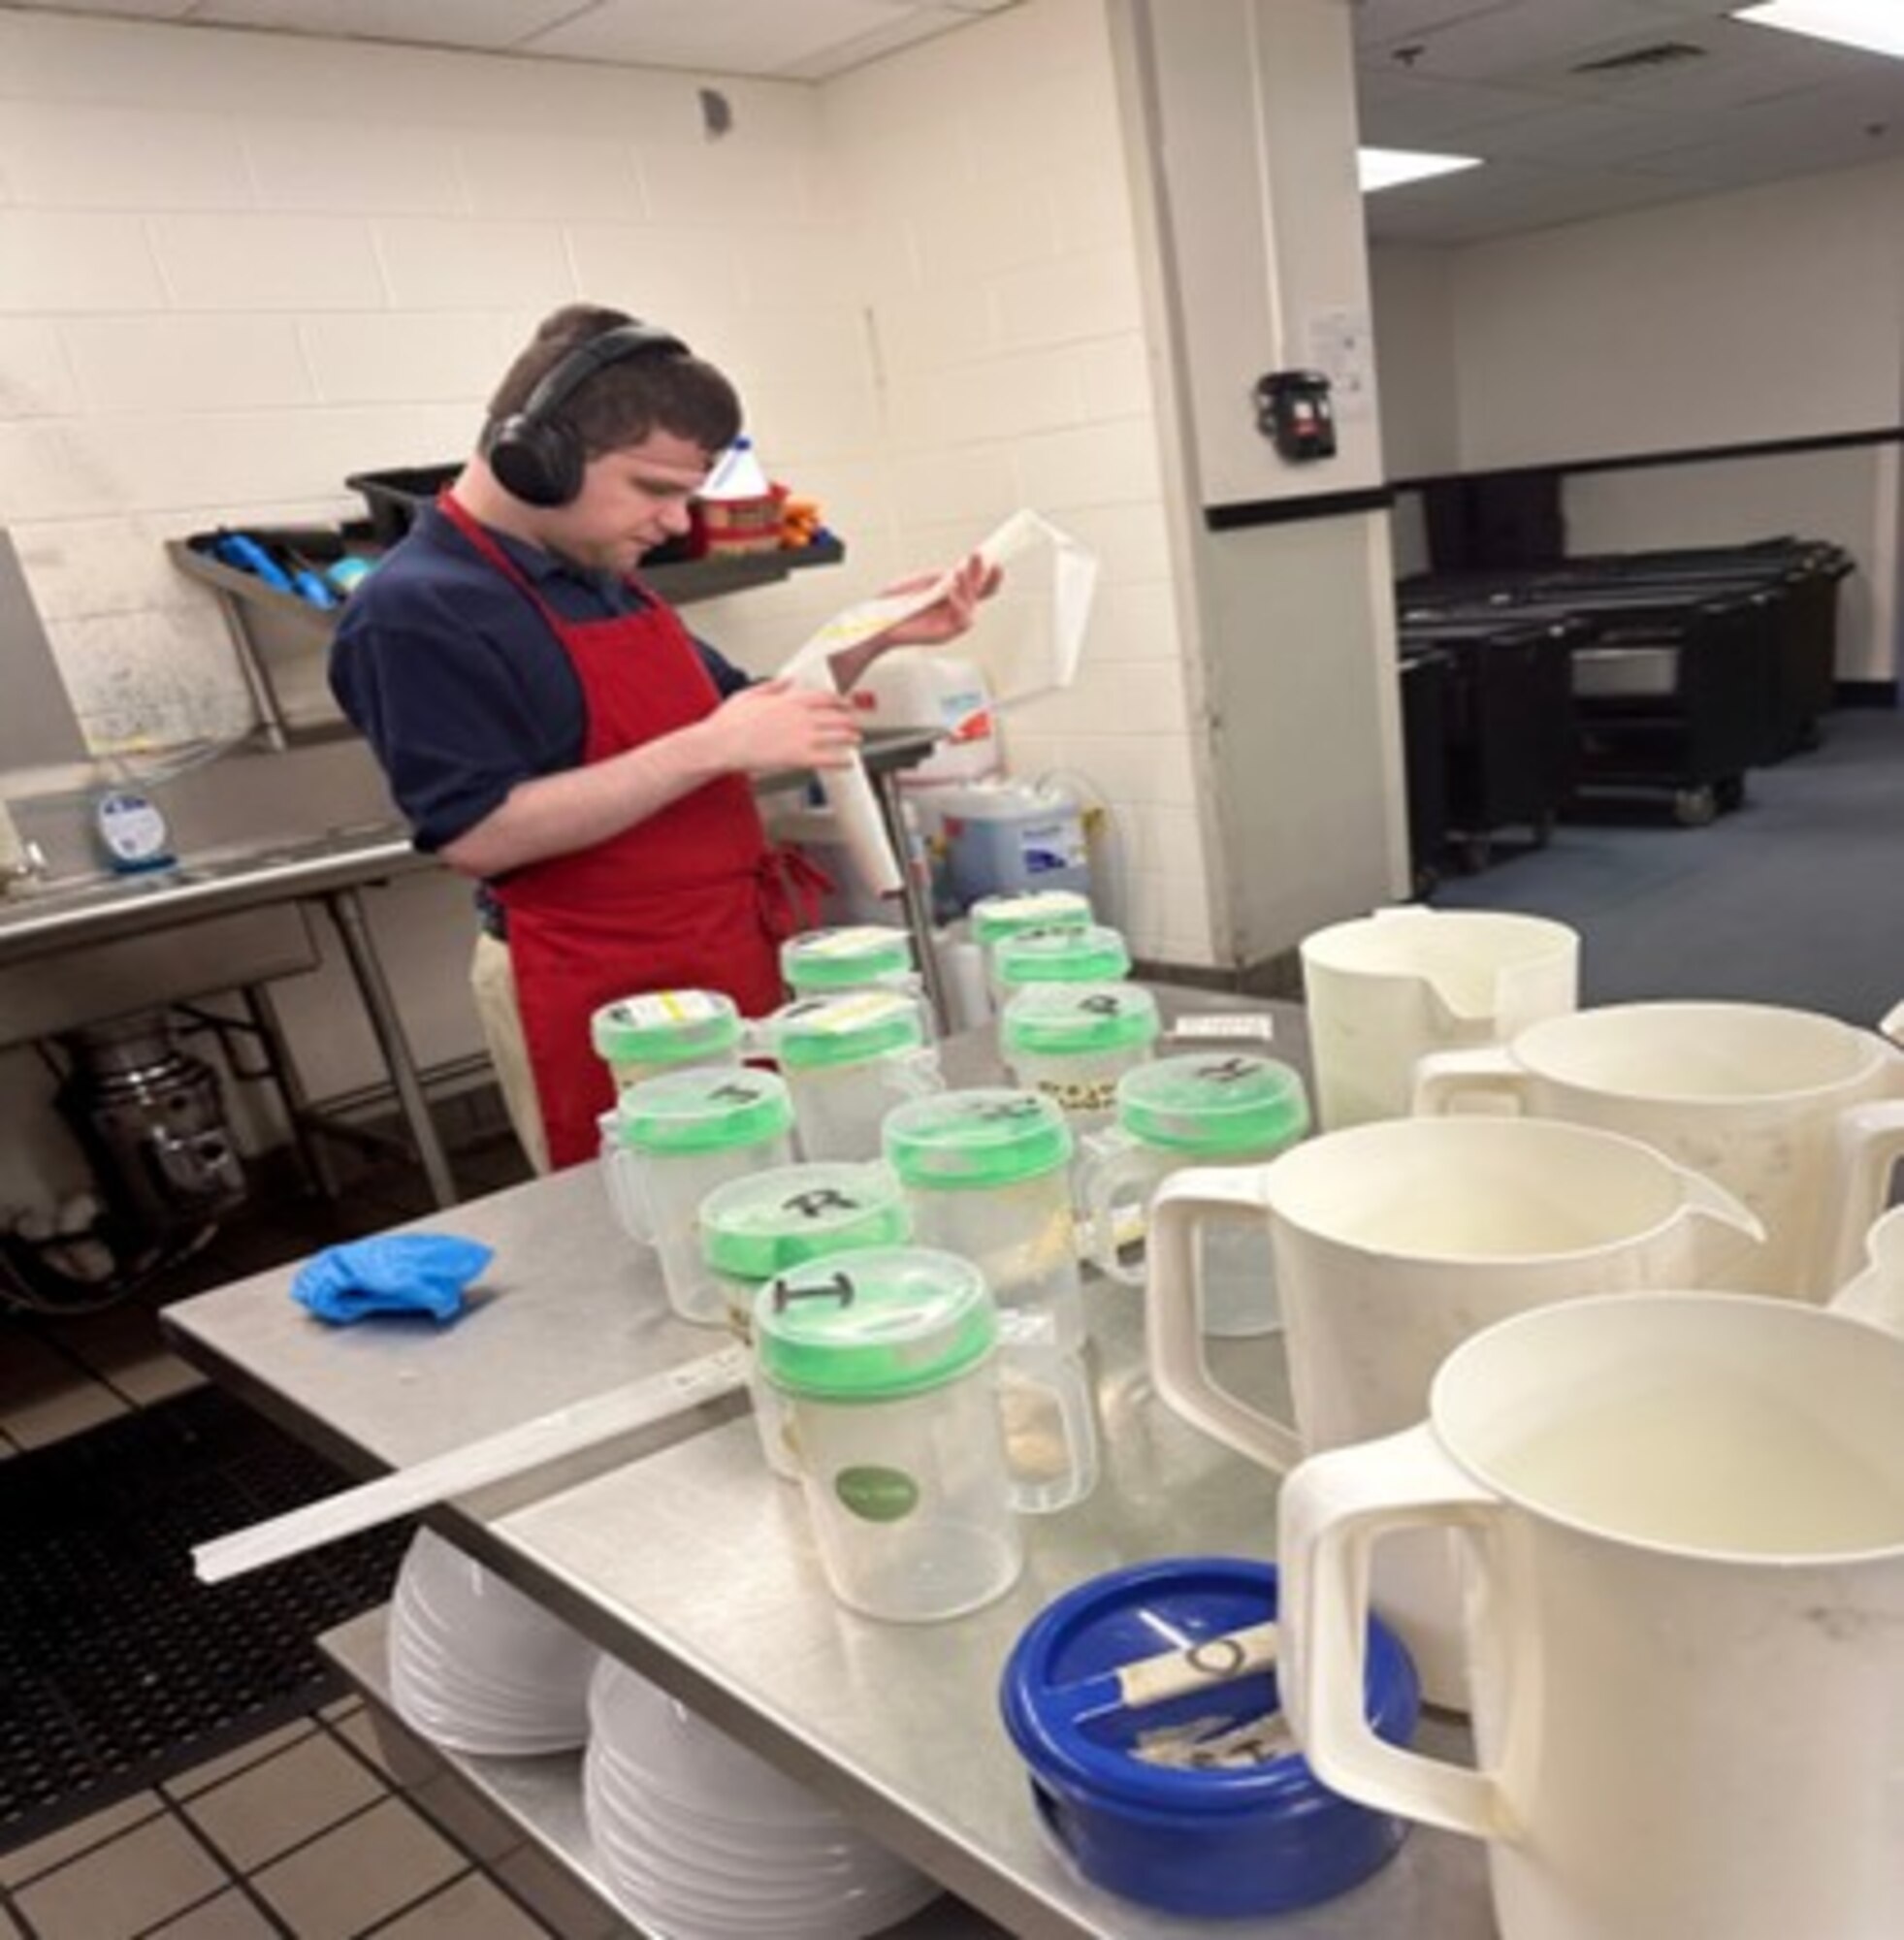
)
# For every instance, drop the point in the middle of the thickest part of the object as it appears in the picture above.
(1198, 1804)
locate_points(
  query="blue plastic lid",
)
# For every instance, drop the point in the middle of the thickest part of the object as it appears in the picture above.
(1256, 1831)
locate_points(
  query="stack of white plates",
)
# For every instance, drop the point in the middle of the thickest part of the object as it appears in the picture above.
(477, 1667)
(705, 1841)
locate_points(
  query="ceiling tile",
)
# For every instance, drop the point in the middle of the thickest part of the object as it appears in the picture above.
(486, 25)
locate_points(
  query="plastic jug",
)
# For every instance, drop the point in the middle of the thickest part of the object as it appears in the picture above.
(862, 957)
(1061, 953)
(1392, 1243)
(1386, 990)
(1684, 1518)
(754, 1229)
(667, 1144)
(641, 1037)
(1212, 1109)
(848, 1060)
(1798, 1114)
(988, 1175)
(995, 918)
(1073, 1042)
(887, 1364)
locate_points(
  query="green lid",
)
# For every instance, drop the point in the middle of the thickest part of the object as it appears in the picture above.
(713, 1111)
(773, 1221)
(994, 917)
(1213, 1104)
(1076, 1019)
(665, 1028)
(975, 1139)
(845, 959)
(1062, 954)
(874, 1326)
(847, 1029)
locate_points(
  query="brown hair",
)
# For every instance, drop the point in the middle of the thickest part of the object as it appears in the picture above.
(626, 401)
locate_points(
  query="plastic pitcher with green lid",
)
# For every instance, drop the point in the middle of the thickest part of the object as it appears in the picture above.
(1213, 1107)
(988, 1175)
(993, 919)
(848, 1060)
(753, 1229)
(1073, 1042)
(859, 956)
(886, 1362)
(641, 1037)
(1090, 952)
(668, 1143)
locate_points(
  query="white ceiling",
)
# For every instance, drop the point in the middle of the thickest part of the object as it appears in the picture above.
(1498, 78)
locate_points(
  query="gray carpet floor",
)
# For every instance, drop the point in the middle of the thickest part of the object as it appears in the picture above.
(1795, 898)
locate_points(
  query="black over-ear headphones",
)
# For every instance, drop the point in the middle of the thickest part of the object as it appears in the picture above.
(535, 456)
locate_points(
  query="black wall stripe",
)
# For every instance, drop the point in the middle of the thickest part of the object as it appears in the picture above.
(1234, 516)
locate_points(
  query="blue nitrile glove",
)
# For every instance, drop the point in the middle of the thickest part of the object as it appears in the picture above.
(390, 1273)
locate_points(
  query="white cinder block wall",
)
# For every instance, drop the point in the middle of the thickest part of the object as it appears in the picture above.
(236, 267)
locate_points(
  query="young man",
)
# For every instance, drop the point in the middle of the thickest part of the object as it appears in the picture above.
(551, 730)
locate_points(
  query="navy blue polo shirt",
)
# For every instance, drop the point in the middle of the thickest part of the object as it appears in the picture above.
(456, 680)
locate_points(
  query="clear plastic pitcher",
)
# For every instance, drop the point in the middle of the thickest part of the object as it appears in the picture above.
(1061, 953)
(754, 1229)
(1210, 1108)
(988, 1176)
(1386, 990)
(993, 919)
(887, 1363)
(862, 957)
(1073, 1042)
(667, 1144)
(644, 1036)
(848, 1060)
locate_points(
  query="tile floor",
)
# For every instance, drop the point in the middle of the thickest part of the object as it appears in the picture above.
(309, 1831)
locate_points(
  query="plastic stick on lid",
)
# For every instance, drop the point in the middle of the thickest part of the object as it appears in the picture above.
(1215, 1104)
(1063, 954)
(846, 1029)
(665, 1028)
(874, 1326)
(994, 917)
(755, 1228)
(1074, 1020)
(971, 1140)
(684, 1112)
(843, 960)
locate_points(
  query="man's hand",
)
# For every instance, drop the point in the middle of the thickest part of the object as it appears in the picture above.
(946, 619)
(776, 725)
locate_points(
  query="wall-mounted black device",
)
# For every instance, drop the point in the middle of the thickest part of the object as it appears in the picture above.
(1293, 407)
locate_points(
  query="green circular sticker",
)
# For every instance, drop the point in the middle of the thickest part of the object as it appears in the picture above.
(875, 1494)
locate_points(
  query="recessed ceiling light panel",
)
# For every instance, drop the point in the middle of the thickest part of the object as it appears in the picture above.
(1390, 168)
(1875, 26)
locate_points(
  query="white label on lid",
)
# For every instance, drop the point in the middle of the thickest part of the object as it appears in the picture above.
(660, 1007)
(1039, 905)
(847, 942)
(1258, 1024)
(854, 1013)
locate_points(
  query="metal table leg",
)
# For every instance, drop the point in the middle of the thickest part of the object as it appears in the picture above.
(264, 1021)
(914, 895)
(346, 910)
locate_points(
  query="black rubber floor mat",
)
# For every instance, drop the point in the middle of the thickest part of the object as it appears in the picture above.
(118, 1667)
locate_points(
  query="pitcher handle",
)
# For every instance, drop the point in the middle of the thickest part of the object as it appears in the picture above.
(1892, 1025)
(1870, 1147)
(1029, 1352)
(1112, 1160)
(915, 1073)
(1330, 1512)
(1711, 1201)
(1173, 1310)
(625, 1197)
(1444, 1078)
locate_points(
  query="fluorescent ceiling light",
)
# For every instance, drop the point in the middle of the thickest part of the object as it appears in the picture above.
(1388, 168)
(1874, 25)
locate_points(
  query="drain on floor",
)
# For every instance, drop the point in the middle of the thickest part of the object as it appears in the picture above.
(118, 1667)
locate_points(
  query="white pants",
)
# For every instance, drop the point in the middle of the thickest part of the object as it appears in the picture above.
(492, 983)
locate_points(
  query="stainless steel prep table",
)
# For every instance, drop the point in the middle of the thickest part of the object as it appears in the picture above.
(694, 1564)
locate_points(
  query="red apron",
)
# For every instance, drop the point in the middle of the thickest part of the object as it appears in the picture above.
(692, 898)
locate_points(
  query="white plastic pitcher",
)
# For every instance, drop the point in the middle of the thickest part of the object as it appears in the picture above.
(1391, 1245)
(1684, 1515)
(1800, 1116)
(1386, 990)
